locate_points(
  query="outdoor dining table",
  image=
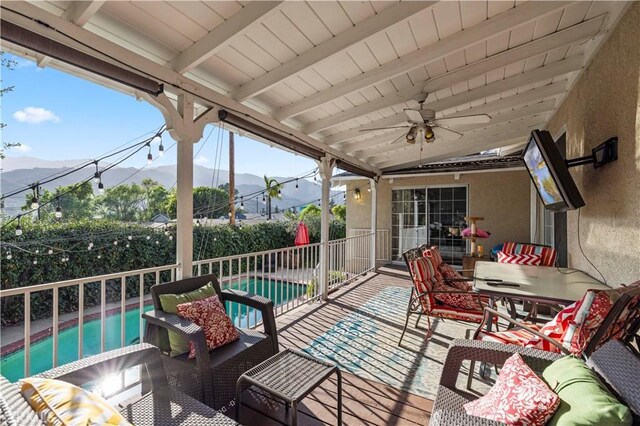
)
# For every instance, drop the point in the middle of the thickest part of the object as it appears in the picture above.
(533, 283)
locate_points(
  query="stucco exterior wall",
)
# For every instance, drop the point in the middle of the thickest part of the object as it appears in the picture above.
(605, 102)
(503, 198)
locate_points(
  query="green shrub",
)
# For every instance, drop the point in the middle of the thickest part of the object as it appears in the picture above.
(74, 237)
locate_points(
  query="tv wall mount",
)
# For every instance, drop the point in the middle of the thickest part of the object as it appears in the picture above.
(602, 154)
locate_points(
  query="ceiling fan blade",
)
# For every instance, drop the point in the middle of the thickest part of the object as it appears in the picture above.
(400, 138)
(414, 115)
(465, 119)
(445, 133)
(383, 128)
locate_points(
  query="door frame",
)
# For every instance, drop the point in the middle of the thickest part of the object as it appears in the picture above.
(426, 188)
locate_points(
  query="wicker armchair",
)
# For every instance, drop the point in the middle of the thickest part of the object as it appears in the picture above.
(614, 363)
(211, 377)
(163, 405)
(448, 405)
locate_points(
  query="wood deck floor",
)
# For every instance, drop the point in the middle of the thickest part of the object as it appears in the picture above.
(365, 402)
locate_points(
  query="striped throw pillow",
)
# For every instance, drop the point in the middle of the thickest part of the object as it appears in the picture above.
(424, 277)
(434, 253)
(60, 403)
(519, 259)
(548, 255)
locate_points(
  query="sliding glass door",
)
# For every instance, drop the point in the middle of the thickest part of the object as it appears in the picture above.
(432, 215)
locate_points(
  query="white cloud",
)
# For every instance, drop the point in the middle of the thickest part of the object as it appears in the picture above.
(24, 63)
(35, 115)
(22, 148)
(201, 160)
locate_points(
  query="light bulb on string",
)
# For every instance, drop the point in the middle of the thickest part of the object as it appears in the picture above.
(96, 175)
(35, 204)
(149, 156)
(18, 228)
(100, 187)
(296, 184)
(242, 202)
(58, 213)
(9, 255)
(161, 150)
(264, 199)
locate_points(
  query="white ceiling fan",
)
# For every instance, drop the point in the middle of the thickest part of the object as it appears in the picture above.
(423, 126)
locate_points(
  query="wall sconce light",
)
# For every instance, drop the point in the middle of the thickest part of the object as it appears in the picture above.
(357, 195)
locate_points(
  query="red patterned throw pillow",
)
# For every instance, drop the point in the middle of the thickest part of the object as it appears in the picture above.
(518, 397)
(453, 277)
(519, 259)
(210, 315)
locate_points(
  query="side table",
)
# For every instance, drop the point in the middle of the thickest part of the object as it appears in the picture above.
(290, 376)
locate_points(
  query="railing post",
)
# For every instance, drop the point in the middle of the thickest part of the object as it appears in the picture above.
(373, 183)
(325, 169)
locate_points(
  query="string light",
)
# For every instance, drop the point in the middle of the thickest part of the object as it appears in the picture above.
(264, 199)
(58, 213)
(279, 192)
(242, 202)
(149, 156)
(100, 188)
(9, 255)
(161, 150)
(296, 184)
(35, 204)
(96, 175)
(18, 228)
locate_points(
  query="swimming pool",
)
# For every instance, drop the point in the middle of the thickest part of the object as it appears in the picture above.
(12, 366)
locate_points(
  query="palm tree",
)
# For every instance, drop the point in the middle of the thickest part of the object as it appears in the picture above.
(273, 189)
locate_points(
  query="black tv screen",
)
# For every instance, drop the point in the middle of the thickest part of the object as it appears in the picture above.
(550, 174)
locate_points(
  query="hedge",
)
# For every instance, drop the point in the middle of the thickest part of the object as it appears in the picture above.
(149, 247)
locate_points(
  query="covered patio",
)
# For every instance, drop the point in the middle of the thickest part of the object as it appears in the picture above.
(338, 82)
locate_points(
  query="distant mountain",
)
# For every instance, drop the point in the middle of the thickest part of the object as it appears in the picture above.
(16, 176)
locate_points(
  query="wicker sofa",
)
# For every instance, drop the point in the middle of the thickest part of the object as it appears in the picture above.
(163, 405)
(614, 362)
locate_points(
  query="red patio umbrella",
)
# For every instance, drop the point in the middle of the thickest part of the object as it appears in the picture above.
(302, 235)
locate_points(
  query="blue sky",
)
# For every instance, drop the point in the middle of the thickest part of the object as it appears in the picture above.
(57, 116)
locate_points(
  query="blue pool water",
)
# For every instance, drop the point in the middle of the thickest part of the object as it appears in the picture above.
(12, 366)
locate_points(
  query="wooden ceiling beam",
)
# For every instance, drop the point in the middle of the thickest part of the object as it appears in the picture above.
(223, 35)
(80, 12)
(523, 98)
(458, 41)
(546, 72)
(338, 43)
(578, 32)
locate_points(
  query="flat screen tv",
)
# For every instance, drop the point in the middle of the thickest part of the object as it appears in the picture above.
(550, 174)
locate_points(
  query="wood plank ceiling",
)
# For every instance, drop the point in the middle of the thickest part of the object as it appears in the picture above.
(332, 69)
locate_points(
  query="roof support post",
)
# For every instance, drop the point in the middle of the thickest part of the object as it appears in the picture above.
(373, 185)
(326, 166)
(186, 130)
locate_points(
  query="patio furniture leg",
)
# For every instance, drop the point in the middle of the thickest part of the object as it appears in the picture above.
(472, 366)
(294, 413)
(418, 320)
(404, 329)
(339, 374)
(429, 331)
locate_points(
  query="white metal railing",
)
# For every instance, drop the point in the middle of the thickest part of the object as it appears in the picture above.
(383, 242)
(349, 258)
(288, 276)
(142, 278)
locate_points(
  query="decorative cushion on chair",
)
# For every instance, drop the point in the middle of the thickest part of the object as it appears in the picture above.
(519, 259)
(210, 315)
(424, 276)
(518, 397)
(433, 252)
(548, 255)
(456, 300)
(584, 400)
(453, 277)
(61, 403)
(169, 302)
